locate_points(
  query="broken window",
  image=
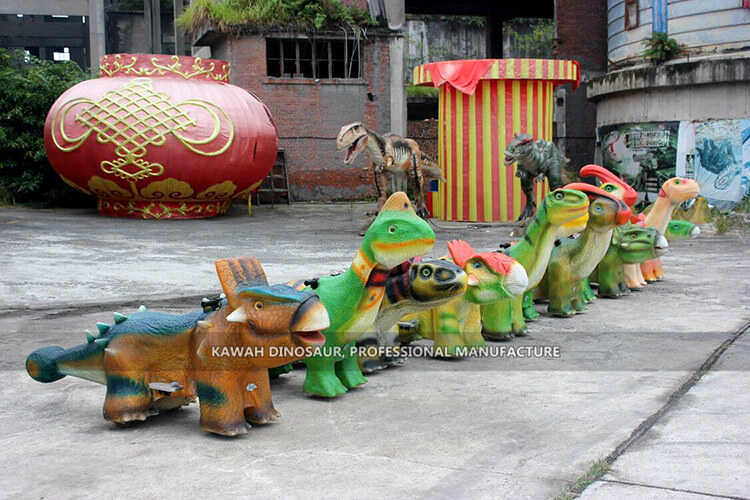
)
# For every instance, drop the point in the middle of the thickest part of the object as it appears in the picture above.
(313, 58)
(631, 14)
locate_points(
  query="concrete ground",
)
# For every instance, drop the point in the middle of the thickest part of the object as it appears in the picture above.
(626, 387)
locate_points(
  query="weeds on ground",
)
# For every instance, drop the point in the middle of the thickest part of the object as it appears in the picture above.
(595, 472)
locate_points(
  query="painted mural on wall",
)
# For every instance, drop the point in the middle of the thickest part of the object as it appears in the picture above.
(644, 154)
(717, 154)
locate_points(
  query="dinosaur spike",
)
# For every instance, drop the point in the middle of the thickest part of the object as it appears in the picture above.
(89, 336)
(103, 327)
(119, 318)
(142, 308)
(102, 341)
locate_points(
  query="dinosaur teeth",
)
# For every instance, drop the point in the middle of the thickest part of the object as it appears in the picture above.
(142, 308)
(102, 341)
(102, 327)
(251, 387)
(204, 324)
(119, 318)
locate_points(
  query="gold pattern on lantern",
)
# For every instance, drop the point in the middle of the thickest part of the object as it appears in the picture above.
(168, 189)
(218, 191)
(135, 117)
(104, 188)
(112, 65)
(164, 211)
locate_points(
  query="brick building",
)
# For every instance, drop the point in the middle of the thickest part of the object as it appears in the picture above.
(312, 87)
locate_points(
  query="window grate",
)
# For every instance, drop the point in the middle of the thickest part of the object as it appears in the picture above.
(313, 58)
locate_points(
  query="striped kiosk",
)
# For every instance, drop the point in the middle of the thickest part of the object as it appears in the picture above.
(482, 105)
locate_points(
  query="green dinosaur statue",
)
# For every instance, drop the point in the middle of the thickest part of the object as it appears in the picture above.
(563, 212)
(413, 286)
(631, 244)
(353, 298)
(152, 361)
(574, 259)
(681, 230)
(492, 276)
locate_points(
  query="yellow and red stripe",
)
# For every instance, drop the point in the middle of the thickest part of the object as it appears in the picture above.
(515, 96)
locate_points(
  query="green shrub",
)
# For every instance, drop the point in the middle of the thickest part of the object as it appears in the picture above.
(661, 48)
(28, 88)
(303, 15)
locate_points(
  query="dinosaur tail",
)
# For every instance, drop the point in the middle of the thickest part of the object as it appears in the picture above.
(52, 363)
(42, 364)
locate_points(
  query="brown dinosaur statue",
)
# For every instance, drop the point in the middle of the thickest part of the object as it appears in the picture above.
(393, 155)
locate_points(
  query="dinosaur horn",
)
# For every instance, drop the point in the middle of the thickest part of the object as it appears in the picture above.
(605, 175)
(238, 316)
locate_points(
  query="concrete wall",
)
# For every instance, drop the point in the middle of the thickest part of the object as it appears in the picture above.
(702, 25)
(435, 38)
(309, 114)
(705, 89)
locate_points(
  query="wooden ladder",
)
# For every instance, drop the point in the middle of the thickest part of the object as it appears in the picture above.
(274, 187)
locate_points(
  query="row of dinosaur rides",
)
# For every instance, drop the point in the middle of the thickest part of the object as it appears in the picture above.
(225, 354)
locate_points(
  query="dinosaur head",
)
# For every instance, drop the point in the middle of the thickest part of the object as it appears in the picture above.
(678, 190)
(435, 281)
(680, 230)
(268, 316)
(491, 275)
(519, 146)
(611, 183)
(353, 138)
(397, 234)
(638, 244)
(605, 209)
(567, 209)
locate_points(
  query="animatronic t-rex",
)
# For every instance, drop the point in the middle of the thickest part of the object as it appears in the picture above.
(563, 212)
(393, 154)
(673, 192)
(412, 287)
(152, 361)
(535, 160)
(492, 276)
(353, 298)
(573, 260)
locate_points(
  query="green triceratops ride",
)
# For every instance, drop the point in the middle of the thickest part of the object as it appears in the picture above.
(152, 361)
(562, 213)
(353, 298)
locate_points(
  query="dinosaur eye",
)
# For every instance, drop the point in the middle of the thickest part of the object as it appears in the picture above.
(598, 208)
(258, 306)
(609, 188)
(477, 265)
(677, 181)
(426, 272)
(633, 236)
(392, 229)
(559, 195)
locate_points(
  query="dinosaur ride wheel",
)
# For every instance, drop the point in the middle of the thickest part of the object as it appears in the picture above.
(483, 103)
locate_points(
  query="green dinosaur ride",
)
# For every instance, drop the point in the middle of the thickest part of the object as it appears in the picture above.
(574, 259)
(492, 276)
(631, 244)
(562, 213)
(681, 230)
(353, 298)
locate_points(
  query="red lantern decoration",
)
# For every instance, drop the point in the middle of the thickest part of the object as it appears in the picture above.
(159, 136)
